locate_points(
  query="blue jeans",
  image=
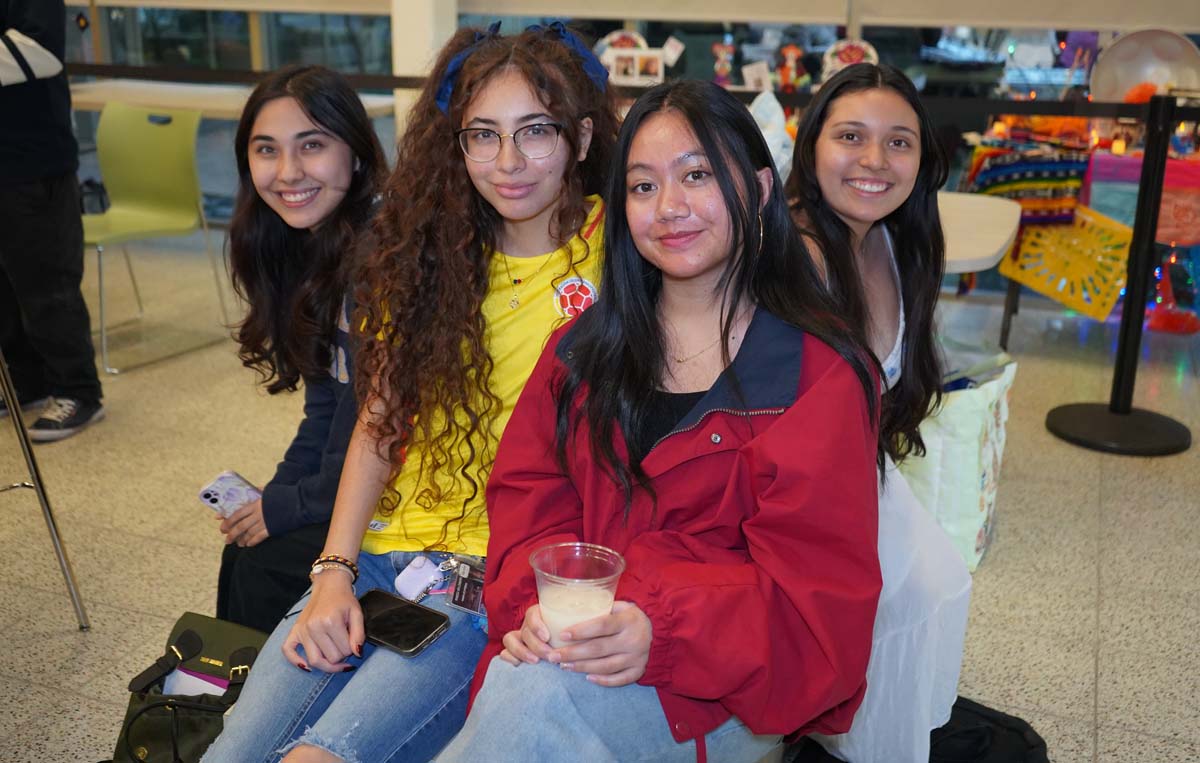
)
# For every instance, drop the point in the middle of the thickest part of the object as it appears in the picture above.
(543, 713)
(391, 708)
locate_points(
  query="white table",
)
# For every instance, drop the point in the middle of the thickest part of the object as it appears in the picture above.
(978, 229)
(213, 101)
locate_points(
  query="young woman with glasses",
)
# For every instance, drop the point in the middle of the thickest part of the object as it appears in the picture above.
(714, 421)
(487, 239)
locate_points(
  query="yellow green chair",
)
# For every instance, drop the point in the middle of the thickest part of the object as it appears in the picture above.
(148, 165)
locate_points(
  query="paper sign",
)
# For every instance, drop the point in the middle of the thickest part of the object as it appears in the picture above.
(672, 49)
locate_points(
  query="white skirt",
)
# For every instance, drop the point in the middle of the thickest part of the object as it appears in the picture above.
(917, 646)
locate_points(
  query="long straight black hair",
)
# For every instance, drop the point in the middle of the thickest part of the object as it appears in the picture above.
(617, 348)
(294, 280)
(916, 232)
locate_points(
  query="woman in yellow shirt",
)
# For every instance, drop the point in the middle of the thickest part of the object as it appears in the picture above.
(487, 240)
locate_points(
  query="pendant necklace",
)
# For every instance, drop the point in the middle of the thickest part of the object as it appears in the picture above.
(515, 302)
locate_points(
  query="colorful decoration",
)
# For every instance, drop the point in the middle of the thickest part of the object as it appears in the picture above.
(625, 39)
(1081, 265)
(845, 53)
(1044, 181)
(1112, 189)
(1164, 312)
(792, 74)
(723, 51)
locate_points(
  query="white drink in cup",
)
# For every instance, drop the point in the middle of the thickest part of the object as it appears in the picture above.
(575, 582)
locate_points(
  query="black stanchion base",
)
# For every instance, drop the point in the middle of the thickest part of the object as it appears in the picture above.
(1137, 433)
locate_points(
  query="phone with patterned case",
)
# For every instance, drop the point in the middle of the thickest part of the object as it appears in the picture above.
(228, 492)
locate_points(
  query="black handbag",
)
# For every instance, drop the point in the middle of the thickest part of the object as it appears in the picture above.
(974, 734)
(161, 728)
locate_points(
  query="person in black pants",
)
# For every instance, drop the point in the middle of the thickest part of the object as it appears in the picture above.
(45, 330)
(309, 164)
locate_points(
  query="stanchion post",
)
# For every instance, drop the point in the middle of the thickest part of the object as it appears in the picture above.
(1119, 427)
(1141, 250)
(8, 393)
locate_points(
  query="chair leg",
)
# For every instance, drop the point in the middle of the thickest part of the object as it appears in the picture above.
(137, 293)
(9, 393)
(103, 320)
(1012, 300)
(216, 267)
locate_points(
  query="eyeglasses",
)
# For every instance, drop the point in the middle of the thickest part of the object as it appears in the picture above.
(535, 141)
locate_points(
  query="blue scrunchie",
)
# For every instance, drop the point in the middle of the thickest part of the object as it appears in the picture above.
(446, 86)
(592, 67)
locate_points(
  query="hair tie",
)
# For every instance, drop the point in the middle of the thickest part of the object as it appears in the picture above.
(596, 71)
(446, 86)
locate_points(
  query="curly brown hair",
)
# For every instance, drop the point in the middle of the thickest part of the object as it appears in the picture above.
(424, 365)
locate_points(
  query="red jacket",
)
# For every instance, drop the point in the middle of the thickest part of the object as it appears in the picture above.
(758, 569)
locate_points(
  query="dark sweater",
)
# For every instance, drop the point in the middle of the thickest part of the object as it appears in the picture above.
(36, 140)
(306, 481)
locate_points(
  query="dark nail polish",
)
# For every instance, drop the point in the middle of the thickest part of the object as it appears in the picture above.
(350, 669)
(305, 668)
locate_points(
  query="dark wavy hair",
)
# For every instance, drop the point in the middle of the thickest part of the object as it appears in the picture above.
(424, 356)
(617, 344)
(916, 231)
(294, 280)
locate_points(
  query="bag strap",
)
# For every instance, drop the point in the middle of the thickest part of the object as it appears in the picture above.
(240, 662)
(186, 646)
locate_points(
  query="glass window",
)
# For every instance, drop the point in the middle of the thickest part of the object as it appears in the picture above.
(154, 36)
(348, 43)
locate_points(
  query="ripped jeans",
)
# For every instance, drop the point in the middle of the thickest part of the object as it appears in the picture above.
(391, 708)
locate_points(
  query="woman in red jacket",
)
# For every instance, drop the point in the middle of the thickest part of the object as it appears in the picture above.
(711, 420)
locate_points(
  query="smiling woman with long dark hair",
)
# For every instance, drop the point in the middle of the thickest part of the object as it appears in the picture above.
(864, 183)
(714, 421)
(309, 166)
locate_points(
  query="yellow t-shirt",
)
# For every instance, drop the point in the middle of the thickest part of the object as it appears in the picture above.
(520, 317)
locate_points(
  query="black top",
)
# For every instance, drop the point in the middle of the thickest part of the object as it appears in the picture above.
(305, 483)
(665, 411)
(36, 140)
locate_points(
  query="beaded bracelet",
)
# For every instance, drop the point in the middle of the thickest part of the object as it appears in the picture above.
(335, 559)
(323, 566)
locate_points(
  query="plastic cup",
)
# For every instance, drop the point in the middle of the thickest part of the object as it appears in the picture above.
(575, 582)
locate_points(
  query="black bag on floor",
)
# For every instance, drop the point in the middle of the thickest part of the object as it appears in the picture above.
(978, 734)
(974, 734)
(178, 728)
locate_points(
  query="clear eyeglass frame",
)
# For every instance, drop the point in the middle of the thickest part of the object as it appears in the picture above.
(518, 137)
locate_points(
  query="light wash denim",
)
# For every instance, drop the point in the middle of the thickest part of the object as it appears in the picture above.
(543, 713)
(391, 708)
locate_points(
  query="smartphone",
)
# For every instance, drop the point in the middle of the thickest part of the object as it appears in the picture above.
(399, 624)
(228, 492)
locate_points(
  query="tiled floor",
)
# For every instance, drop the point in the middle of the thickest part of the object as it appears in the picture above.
(1084, 613)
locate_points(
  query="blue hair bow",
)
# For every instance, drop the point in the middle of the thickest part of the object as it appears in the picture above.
(592, 67)
(446, 86)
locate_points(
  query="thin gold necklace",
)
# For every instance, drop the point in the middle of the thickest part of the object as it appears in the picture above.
(700, 352)
(515, 302)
